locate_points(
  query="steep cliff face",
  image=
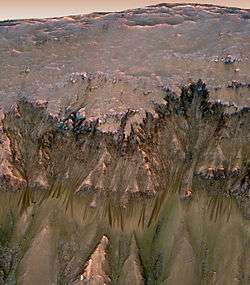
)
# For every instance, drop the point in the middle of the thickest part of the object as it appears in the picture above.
(129, 172)
(206, 140)
(155, 186)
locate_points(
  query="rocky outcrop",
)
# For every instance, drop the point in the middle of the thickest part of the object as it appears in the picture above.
(94, 271)
(9, 175)
(188, 134)
(124, 175)
(125, 179)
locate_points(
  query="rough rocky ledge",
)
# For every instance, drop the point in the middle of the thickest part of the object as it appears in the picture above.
(119, 166)
(200, 139)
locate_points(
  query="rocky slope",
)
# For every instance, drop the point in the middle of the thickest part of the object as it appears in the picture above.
(116, 167)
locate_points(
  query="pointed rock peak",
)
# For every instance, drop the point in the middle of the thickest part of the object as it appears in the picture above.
(94, 270)
(131, 271)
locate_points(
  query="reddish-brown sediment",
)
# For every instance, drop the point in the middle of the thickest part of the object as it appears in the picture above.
(152, 186)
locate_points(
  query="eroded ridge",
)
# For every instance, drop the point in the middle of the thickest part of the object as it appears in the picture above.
(205, 142)
(160, 193)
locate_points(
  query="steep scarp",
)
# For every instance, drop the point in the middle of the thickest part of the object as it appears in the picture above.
(117, 164)
(160, 182)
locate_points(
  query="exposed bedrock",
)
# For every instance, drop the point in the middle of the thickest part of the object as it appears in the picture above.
(203, 140)
(187, 151)
(125, 176)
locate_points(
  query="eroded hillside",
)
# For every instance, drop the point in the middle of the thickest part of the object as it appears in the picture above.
(119, 166)
(190, 152)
